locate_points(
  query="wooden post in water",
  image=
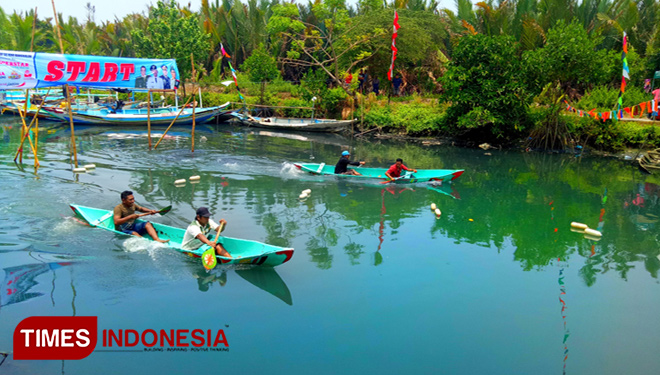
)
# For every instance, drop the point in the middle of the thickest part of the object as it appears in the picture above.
(36, 138)
(26, 135)
(192, 63)
(149, 117)
(73, 136)
(20, 145)
(177, 116)
(193, 118)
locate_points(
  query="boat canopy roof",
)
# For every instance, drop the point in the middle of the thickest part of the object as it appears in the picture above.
(26, 70)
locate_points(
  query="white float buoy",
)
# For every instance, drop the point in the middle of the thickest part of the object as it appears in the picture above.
(593, 238)
(181, 181)
(307, 191)
(90, 166)
(437, 212)
(579, 225)
(302, 196)
(194, 178)
(433, 206)
(79, 170)
(592, 232)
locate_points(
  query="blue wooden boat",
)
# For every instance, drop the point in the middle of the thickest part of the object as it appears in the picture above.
(242, 251)
(422, 175)
(138, 116)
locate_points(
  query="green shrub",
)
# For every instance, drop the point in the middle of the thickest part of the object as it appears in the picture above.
(603, 98)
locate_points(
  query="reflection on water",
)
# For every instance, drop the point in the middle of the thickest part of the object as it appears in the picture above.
(20, 279)
(359, 248)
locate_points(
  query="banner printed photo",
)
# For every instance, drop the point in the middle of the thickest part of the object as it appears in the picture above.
(23, 70)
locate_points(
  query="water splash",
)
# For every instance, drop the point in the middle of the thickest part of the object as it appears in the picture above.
(289, 170)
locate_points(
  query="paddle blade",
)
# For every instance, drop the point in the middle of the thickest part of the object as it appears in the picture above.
(208, 259)
(165, 210)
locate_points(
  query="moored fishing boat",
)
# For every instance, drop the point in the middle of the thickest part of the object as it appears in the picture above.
(422, 175)
(242, 251)
(158, 116)
(298, 124)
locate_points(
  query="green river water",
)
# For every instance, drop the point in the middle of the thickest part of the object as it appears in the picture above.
(499, 284)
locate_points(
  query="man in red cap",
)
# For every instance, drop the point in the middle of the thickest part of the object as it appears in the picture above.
(198, 231)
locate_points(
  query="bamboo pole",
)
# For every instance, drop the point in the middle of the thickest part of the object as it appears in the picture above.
(57, 25)
(177, 116)
(193, 124)
(192, 63)
(26, 134)
(23, 136)
(149, 117)
(36, 138)
(73, 137)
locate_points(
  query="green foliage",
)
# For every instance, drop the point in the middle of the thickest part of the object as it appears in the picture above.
(603, 98)
(296, 112)
(420, 118)
(569, 57)
(328, 100)
(172, 35)
(484, 85)
(261, 68)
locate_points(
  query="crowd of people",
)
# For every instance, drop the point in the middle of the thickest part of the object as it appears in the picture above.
(398, 83)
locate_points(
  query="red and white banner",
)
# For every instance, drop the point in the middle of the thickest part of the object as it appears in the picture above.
(394, 50)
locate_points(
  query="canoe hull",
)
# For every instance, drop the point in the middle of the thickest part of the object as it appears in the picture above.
(422, 175)
(243, 251)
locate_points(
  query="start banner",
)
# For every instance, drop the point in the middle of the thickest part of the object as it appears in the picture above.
(25, 70)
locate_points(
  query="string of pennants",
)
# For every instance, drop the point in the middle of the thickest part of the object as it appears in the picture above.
(638, 110)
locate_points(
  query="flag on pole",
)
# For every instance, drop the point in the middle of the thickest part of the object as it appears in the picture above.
(394, 50)
(224, 53)
(626, 70)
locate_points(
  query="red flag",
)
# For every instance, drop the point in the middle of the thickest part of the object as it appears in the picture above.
(628, 111)
(394, 50)
(643, 106)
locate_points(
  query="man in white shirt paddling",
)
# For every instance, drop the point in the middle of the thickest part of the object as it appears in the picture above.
(198, 231)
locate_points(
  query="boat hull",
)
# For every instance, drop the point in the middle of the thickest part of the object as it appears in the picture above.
(422, 175)
(295, 124)
(243, 251)
(157, 118)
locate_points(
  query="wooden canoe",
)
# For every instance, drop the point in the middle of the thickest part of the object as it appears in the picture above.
(422, 175)
(242, 251)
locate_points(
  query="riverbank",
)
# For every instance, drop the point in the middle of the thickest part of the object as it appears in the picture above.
(426, 117)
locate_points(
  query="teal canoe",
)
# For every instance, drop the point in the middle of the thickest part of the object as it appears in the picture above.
(242, 251)
(422, 175)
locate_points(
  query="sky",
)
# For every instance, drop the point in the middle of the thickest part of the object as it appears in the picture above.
(107, 10)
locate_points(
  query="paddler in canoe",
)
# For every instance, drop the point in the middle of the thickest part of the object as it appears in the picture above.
(197, 232)
(124, 218)
(395, 170)
(344, 162)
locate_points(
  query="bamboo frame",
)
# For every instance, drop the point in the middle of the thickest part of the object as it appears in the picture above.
(177, 116)
(23, 136)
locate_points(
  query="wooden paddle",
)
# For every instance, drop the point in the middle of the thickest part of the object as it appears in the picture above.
(209, 260)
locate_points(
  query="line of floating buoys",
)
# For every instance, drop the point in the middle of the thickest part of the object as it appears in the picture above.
(194, 178)
(181, 181)
(433, 206)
